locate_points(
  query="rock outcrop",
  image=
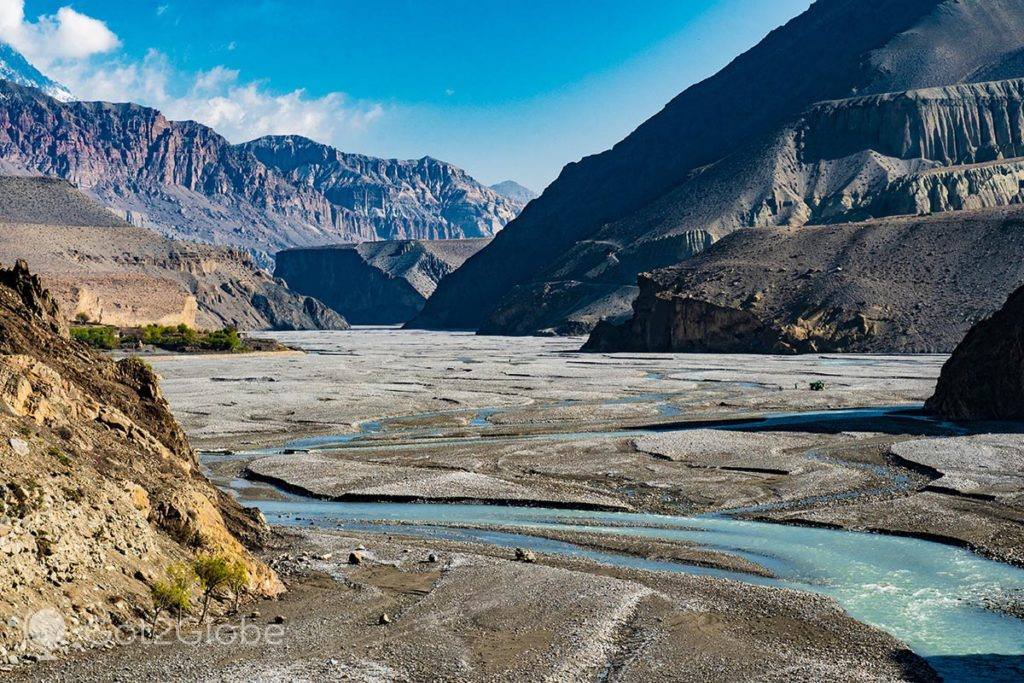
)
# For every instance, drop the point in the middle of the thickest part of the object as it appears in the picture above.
(186, 181)
(907, 285)
(110, 272)
(99, 488)
(852, 98)
(984, 378)
(374, 283)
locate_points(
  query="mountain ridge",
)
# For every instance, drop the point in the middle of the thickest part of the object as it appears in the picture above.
(599, 224)
(186, 181)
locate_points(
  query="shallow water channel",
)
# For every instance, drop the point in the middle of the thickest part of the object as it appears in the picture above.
(929, 595)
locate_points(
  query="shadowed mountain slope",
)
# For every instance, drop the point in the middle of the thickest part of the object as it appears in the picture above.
(713, 161)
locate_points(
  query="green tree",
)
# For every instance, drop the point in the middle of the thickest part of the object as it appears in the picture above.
(238, 581)
(213, 572)
(174, 593)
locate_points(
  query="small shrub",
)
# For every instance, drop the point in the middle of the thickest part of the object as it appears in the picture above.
(238, 581)
(817, 385)
(82, 317)
(213, 573)
(60, 455)
(98, 337)
(173, 594)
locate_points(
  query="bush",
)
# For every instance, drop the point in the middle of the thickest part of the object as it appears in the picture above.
(238, 581)
(97, 336)
(817, 385)
(213, 572)
(184, 338)
(173, 594)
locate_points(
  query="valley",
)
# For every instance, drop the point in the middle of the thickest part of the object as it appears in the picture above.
(665, 445)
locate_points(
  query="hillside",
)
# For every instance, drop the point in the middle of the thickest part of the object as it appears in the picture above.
(984, 378)
(908, 285)
(862, 111)
(374, 283)
(187, 182)
(101, 490)
(99, 266)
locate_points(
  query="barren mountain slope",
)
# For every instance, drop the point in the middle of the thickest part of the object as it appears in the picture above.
(99, 488)
(99, 266)
(984, 378)
(423, 198)
(710, 162)
(886, 285)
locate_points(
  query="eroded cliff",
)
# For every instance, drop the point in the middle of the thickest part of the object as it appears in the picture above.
(99, 488)
(910, 284)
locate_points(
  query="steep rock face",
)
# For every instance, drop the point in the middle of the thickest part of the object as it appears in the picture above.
(984, 378)
(114, 273)
(710, 162)
(188, 182)
(392, 199)
(887, 285)
(374, 283)
(99, 489)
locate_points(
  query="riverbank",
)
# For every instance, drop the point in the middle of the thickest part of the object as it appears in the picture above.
(476, 614)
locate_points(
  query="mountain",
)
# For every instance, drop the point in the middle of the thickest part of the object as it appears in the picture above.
(374, 283)
(984, 378)
(514, 191)
(15, 68)
(862, 110)
(907, 285)
(102, 491)
(187, 182)
(388, 198)
(98, 266)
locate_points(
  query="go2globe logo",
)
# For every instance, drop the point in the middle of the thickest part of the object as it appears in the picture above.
(46, 630)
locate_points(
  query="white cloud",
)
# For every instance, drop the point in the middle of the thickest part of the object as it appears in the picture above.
(66, 35)
(218, 98)
(75, 49)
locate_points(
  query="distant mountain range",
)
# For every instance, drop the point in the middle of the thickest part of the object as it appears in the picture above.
(856, 109)
(514, 191)
(184, 180)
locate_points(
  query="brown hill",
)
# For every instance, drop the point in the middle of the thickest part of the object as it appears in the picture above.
(99, 266)
(99, 488)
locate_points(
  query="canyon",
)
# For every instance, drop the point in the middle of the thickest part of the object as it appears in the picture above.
(374, 283)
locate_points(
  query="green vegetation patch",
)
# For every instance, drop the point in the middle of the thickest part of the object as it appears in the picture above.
(97, 336)
(184, 338)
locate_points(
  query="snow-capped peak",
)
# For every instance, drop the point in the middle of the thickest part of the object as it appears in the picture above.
(15, 68)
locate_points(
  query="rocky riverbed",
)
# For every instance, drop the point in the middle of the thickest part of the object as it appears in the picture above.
(407, 416)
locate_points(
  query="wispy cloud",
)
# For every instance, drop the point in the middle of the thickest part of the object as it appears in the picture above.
(82, 53)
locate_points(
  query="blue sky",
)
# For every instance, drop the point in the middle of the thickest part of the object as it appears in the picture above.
(503, 89)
